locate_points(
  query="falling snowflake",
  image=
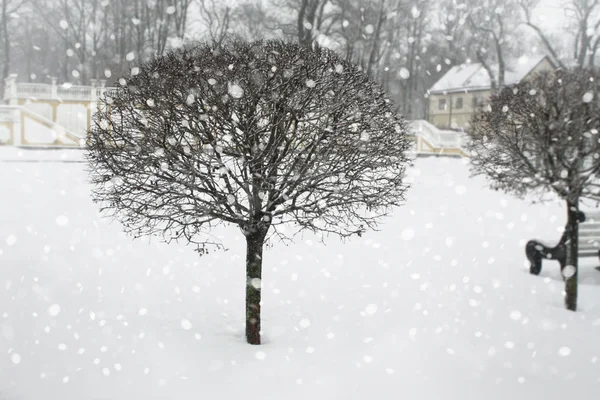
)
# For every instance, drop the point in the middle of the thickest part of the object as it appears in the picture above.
(408, 234)
(255, 283)
(235, 91)
(54, 310)
(15, 358)
(186, 324)
(11, 240)
(415, 12)
(564, 351)
(305, 323)
(371, 309)
(568, 271)
(62, 220)
(515, 315)
(460, 190)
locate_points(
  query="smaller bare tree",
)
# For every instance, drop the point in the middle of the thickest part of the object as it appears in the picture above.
(542, 136)
(252, 134)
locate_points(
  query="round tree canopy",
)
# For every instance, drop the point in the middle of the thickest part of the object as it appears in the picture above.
(255, 134)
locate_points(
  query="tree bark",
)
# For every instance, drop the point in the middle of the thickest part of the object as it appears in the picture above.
(572, 249)
(254, 251)
(6, 69)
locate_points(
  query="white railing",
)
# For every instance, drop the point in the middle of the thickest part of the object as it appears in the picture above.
(33, 90)
(12, 115)
(40, 91)
(439, 139)
(450, 139)
(75, 92)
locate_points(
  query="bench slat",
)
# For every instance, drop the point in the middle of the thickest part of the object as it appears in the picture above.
(589, 226)
(583, 233)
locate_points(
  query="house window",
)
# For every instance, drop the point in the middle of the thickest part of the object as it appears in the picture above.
(442, 104)
(477, 102)
(459, 103)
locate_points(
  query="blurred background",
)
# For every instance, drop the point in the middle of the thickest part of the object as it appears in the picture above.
(407, 45)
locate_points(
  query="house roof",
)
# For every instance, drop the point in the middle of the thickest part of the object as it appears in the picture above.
(472, 76)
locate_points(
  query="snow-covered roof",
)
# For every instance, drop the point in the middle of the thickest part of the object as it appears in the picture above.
(473, 76)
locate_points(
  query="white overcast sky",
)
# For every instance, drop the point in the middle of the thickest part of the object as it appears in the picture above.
(550, 14)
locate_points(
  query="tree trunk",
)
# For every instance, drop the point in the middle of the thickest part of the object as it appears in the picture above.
(6, 69)
(571, 271)
(254, 251)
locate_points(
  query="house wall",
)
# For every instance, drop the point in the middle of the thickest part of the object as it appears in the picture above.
(452, 117)
(543, 66)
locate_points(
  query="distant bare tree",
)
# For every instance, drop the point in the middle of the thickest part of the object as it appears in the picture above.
(309, 20)
(8, 8)
(255, 21)
(587, 39)
(216, 18)
(527, 7)
(256, 135)
(491, 23)
(543, 135)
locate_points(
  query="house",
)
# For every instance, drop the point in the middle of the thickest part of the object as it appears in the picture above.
(455, 97)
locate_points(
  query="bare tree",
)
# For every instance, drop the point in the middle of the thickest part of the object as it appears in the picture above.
(310, 17)
(587, 38)
(254, 21)
(491, 23)
(8, 9)
(527, 7)
(542, 136)
(216, 18)
(256, 135)
(583, 22)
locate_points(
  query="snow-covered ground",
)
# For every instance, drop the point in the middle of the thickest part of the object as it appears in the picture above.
(436, 305)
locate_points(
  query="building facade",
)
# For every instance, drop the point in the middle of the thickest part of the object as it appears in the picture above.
(458, 94)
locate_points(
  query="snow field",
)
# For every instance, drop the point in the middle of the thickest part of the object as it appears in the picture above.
(438, 304)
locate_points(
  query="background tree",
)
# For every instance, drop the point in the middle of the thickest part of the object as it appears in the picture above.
(256, 135)
(492, 22)
(216, 18)
(543, 136)
(8, 13)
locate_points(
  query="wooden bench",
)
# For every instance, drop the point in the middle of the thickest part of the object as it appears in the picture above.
(589, 244)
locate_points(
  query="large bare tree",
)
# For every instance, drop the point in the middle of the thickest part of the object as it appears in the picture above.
(258, 135)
